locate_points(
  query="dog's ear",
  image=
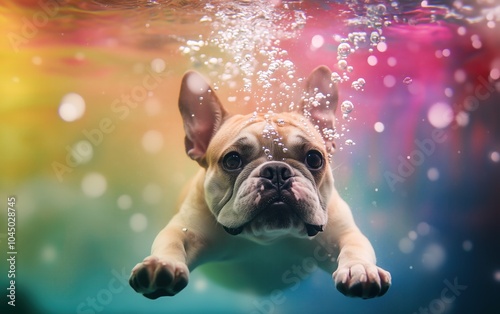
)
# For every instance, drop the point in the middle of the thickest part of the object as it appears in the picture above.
(202, 114)
(321, 97)
(320, 101)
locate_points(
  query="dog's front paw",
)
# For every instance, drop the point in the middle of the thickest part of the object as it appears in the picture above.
(362, 280)
(155, 277)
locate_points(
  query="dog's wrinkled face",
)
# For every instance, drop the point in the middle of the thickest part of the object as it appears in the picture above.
(267, 175)
(266, 186)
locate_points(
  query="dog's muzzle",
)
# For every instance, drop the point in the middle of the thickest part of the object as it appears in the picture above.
(276, 176)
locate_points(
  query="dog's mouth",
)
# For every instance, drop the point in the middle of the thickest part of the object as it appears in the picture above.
(276, 216)
(312, 230)
(234, 231)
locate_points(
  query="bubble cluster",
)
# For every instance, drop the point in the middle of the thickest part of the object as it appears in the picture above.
(248, 37)
(358, 84)
(251, 61)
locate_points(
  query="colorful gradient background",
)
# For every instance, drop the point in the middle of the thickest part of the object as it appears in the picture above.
(80, 230)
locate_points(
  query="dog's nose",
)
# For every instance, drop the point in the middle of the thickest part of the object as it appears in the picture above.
(277, 172)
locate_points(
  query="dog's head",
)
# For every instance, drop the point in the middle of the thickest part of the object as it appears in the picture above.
(267, 175)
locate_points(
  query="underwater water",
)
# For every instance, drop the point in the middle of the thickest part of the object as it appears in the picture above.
(92, 155)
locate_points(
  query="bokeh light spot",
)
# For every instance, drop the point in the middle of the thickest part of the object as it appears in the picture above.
(433, 174)
(382, 46)
(124, 202)
(72, 107)
(406, 245)
(495, 74)
(152, 106)
(495, 156)
(433, 256)
(462, 118)
(200, 285)
(37, 60)
(476, 41)
(48, 253)
(448, 92)
(372, 60)
(152, 141)
(460, 76)
(152, 194)
(440, 115)
(423, 228)
(496, 275)
(158, 65)
(317, 42)
(389, 81)
(94, 184)
(379, 127)
(392, 62)
(80, 56)
(467, 245)
(138, 222)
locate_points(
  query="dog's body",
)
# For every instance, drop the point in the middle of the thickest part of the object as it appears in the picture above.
(265, 194)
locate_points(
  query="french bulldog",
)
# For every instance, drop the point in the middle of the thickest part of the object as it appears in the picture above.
(264, 196)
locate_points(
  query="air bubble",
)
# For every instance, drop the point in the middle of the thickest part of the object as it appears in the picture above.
(343, 50)
(374, 38)
(346, 107)
(358, 84)
(342, 64)
(350, 142)
(407, 80)
(206, 19)
(335, 77)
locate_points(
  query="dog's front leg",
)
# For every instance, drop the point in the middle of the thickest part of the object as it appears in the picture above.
(176, 250)
(357, 274)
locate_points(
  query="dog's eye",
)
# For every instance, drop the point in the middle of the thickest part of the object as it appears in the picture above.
(232, 161)
(314, 159)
